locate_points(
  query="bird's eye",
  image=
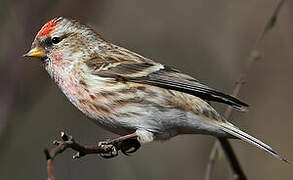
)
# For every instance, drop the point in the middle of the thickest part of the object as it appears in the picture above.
(56, 40)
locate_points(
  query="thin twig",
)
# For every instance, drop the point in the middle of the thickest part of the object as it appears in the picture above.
(252, 58)
(234, 163)
(212, 159)
(68, 142)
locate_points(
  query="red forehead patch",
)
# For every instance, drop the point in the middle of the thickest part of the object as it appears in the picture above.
(47, 28)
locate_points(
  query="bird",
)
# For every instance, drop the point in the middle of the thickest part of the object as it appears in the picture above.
(128, 94)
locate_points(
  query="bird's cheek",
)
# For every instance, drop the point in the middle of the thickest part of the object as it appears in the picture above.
(57, 59)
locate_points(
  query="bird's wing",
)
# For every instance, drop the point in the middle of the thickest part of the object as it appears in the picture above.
(155, 74)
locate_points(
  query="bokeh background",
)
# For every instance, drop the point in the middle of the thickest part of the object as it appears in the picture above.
(206, 38)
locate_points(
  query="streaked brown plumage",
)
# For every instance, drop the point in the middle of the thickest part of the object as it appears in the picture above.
(127, 93)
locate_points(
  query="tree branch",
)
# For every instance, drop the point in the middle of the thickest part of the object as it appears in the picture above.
(68, 142)
(252, 58)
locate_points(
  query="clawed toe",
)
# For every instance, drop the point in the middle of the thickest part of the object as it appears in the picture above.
(127, 144)
(130, 146)
(111, 151)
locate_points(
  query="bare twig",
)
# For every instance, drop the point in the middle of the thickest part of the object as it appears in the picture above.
(68, 142)
(212, 159)
(253, 57)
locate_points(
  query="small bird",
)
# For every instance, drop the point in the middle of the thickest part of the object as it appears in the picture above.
(128, 94)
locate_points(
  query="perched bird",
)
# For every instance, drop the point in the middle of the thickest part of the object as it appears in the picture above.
(129, 94)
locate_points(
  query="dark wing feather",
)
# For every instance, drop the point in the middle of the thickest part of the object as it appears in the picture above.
(161, 76)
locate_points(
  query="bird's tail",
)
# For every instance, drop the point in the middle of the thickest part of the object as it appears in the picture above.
(234, 131)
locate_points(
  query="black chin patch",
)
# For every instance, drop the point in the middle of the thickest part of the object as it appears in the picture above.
(45, 59)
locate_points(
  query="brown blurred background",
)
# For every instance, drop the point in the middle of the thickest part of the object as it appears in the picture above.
(208, 39)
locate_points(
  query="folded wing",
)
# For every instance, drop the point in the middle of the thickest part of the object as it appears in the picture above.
(156, 74)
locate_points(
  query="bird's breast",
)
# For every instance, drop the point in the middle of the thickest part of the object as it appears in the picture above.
(124, 106)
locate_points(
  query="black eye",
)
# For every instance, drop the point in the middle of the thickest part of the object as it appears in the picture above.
(56, 40)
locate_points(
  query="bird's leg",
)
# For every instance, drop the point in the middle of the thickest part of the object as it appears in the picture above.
(127, 144)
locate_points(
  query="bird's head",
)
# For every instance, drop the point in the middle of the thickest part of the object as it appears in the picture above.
(61, 39)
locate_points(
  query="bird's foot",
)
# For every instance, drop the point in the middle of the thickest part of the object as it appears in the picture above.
(129, 146)
(109, 148)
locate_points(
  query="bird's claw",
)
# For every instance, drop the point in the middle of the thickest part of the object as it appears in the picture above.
(130, 146)
(110, 151)
(127, 147)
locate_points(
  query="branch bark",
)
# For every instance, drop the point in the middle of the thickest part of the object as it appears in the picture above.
(252, 58)
(67, 141)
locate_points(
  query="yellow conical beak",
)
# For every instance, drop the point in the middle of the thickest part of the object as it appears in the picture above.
(36, 52)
